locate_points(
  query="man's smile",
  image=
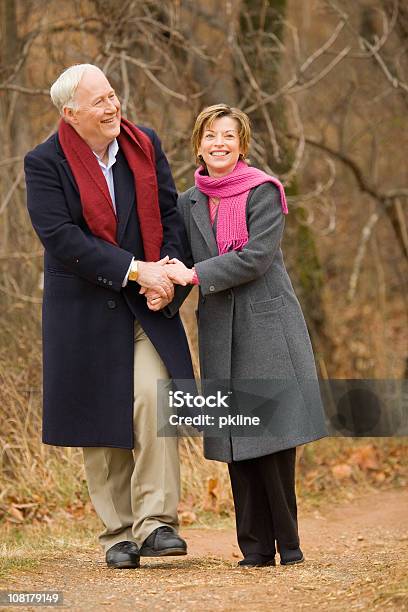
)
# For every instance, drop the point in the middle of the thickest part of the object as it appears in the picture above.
(110, 120)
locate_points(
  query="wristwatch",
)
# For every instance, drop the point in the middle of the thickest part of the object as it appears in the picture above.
(133, 274)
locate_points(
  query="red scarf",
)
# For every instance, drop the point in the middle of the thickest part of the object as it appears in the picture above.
(96, 202)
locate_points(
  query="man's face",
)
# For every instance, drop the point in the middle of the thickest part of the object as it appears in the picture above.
(97, 116)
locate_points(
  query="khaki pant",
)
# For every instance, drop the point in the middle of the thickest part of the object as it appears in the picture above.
(134, 492)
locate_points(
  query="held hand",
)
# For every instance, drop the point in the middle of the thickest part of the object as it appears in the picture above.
(152, 275)
(155, 301)
(178, 272)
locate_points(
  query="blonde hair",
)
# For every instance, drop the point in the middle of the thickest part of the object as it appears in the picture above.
(63, 90)
(207, 117)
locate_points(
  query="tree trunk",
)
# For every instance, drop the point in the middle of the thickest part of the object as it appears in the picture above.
(261, 18)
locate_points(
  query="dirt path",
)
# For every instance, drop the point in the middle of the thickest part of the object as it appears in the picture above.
(356, 559)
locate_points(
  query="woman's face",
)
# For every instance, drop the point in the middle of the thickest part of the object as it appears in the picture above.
(220, 147)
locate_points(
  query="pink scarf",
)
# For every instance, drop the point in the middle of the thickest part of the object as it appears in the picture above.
(233, 189)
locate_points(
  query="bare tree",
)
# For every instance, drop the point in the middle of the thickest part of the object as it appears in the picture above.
(319, 90)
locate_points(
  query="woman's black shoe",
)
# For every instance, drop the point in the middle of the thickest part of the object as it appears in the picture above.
(123, 555)
(252, 562)
(291, 557)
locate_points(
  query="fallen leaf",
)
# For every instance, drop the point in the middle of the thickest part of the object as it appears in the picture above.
(16, 514)
(187, 517)
(365, 457)
(212, 485)
(341, 471)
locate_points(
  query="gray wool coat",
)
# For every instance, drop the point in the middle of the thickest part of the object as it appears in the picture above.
(251, 329)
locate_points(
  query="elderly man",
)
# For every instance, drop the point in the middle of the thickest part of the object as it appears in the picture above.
(103, 203)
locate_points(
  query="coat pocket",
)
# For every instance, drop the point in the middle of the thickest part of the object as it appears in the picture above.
(268, 306)
(60, 272)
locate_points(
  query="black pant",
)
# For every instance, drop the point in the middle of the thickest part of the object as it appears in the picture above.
(265, 503)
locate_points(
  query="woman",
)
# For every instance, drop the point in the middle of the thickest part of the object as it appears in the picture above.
(250, 327)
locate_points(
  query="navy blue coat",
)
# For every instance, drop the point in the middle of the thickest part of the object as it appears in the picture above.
(88, 318)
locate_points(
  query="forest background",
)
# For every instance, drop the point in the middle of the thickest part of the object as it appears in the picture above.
(325, 84)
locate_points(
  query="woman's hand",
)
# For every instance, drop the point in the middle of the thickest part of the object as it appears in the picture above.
(178, 272)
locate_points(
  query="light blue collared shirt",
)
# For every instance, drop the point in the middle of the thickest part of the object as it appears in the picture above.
(107, 168)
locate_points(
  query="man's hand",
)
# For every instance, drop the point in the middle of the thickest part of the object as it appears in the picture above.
(178, 272)
(152, 275)
(154, 300)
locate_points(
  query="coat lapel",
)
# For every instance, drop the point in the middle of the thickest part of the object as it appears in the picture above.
(124, 187)
(200, 214)
(74, 205)
(64, 163)
(124, 193)
(69, 174)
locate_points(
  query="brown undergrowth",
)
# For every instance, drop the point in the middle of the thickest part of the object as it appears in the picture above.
(38, 481)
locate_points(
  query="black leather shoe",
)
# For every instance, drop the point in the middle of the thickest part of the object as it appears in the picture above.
(291, 557)
(123, 555)
(163, 542)
(247, 563)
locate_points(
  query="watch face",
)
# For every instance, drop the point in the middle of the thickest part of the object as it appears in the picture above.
(133, 274)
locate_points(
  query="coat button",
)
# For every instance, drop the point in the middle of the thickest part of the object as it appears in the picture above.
(212, 288)
(111, 304)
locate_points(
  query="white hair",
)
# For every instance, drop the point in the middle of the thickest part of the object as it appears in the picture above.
(63, 90)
